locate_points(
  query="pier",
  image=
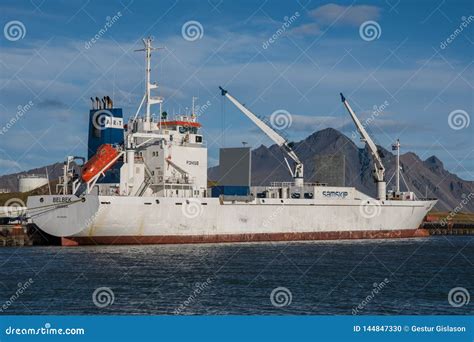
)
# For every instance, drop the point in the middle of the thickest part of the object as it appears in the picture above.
(438, 228)
(14, 235)
(438, 224)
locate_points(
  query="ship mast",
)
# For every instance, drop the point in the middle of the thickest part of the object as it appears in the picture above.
(150, 100)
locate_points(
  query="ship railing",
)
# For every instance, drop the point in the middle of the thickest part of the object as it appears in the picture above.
(281, 184)
(291, 184)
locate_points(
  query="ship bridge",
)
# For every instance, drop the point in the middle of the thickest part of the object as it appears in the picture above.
(183, 126)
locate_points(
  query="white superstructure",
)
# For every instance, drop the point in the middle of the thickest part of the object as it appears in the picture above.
(163, 195)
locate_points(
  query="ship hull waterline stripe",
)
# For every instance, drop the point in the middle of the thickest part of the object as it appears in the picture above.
(260, 237)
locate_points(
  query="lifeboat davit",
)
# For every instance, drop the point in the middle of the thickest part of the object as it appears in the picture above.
(105, 154)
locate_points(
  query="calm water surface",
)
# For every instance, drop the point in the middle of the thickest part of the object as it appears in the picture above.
(412, 276)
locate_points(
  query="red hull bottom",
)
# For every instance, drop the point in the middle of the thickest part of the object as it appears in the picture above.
(178, 239)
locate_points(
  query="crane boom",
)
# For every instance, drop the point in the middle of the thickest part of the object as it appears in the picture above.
(379, 170)
(297, 173)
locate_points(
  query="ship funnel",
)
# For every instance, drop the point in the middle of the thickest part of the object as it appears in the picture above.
(104, 104)
(97, 101)
(109, 102)
(93, 103)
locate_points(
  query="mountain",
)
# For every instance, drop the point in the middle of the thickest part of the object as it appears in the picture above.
(424, 177)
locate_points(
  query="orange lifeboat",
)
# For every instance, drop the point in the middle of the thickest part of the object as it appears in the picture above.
(105, 154)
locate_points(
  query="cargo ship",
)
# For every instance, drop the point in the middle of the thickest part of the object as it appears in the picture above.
(145, 182)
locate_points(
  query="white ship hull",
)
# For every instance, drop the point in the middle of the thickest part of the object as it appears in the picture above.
(156, 189)
(128, 220)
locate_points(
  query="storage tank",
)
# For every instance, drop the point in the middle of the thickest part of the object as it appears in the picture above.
(29, 182)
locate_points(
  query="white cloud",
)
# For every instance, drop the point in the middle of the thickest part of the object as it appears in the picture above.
(311, 29)
(349, 15)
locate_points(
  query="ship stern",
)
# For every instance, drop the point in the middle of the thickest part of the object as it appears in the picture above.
(62, 215)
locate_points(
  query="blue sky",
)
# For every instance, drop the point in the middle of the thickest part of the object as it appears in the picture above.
(409, 67)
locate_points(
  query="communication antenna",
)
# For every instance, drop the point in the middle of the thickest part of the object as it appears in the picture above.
(396, 147)
(47, 178)
(193, 113)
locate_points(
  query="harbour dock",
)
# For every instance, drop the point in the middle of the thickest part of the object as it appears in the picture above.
(14, 235)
